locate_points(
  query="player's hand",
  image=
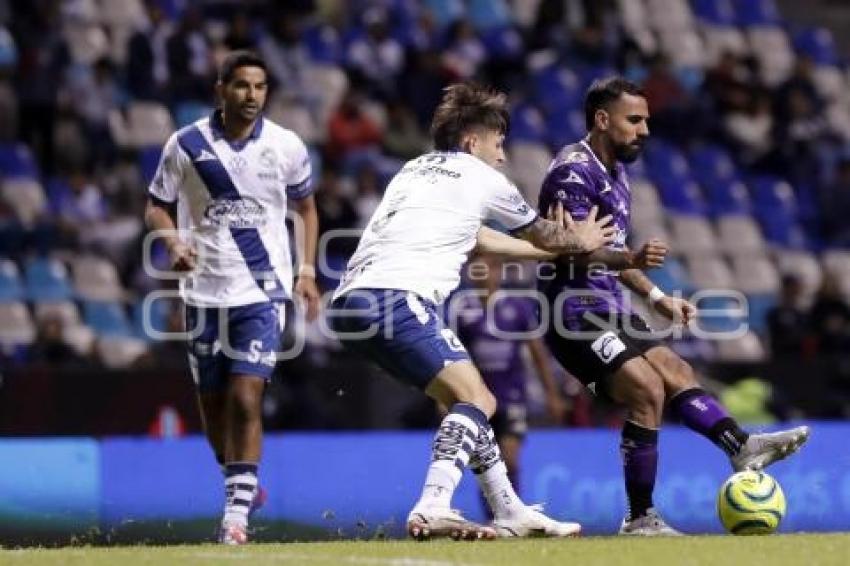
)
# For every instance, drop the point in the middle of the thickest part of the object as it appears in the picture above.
(308, 291)
(183, 256)
(676, 309)
(652, 254)
(590, 233)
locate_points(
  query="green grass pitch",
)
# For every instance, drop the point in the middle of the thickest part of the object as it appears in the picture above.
(777, 550)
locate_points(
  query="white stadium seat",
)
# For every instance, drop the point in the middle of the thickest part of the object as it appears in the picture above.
(747, 348)
(16, 326)
(755, 275)
(709, 272)
(739, 235)
(692, 235)
(119, 353)
(96, 279)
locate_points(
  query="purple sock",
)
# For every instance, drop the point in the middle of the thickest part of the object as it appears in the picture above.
(701, 412)
(639, 447)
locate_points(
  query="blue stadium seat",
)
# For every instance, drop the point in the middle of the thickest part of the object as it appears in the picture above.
(757, 12)
(47, 280)
(719, 321)
(16, 160)
(10, 281)
(557, 89)
(190, 111)
(818, 44)
(715, 12)
(665, 163)
(323, 44)
(683, 197)
(149, 161)
(672, 276)
(527, 124)
(565, 126)
(158, 316)
(780, 227)
(711, 163)
(445, 11)
(503, 43)
(107, 319)
(727, 197)
(488, 14)
(759, 306)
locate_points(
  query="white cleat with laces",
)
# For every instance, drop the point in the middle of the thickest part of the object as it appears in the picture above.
(761, 450)
(533, 523)
(438, 522)
(650, 525)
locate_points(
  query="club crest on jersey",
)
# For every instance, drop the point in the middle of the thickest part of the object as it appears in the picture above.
(244, 212)
(237, 164)
(267, 158)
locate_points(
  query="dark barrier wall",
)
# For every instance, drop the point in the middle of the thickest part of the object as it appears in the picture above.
(362, 484)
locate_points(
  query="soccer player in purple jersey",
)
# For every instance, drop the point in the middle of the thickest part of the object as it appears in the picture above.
(496, 325)
(597, 337)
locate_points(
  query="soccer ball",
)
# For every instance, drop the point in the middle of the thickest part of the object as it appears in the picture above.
(750, 503)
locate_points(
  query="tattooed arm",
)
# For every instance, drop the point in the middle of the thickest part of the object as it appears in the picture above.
(560, 234)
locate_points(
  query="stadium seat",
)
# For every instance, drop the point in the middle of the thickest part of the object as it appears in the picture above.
(331, 84)
(644, 229)
(26, 198)
(772, 49)
(503, 43)
(66, 311)
(755, 274)
(727, 198)
(684, 48)
(564, 126)
(119, 352)
(16, 326)
(718, 40)
(79, 337)
(818, 44)
(666, 163)
(47, 280)
(710, 272)
(745, 349)
(671, 277)
(295, 116)
(106, 318)
(718, 313)
(715, 12)
(527, 124)
(759, 306)
(190, 111)
(96, 279)
(141, 124)
(830, 82)
(692, 235)
(711, 163)
(739, 236)
(557, 88)
(158, 314)
(87, 42)
(10, 281)
(323, 44)
(757, 12)
(528, 163)
(646, 206)
(488, 14)
(682, 197)
(670, 15)
(148, 162)
(836, 263)
(16, 160)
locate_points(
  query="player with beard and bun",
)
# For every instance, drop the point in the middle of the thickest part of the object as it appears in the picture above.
(595, 335)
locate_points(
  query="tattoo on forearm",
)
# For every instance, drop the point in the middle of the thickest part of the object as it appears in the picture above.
(551, 235)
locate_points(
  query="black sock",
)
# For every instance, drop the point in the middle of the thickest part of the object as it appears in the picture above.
(639, 448)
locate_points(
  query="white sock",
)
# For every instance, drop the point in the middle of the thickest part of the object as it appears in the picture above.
(240, 487)
(451, 451)
(492, 476)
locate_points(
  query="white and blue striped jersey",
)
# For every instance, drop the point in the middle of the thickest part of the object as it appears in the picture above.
(427, 223)
(232, 197)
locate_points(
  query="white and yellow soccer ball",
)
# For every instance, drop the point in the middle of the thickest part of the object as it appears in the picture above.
(751, 503)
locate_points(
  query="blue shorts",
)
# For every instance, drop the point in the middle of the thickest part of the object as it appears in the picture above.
(398, 330)
(252, 335)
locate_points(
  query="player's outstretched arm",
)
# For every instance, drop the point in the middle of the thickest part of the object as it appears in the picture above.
(493, 242)
(674, 308)
(560, 234)
(651, 254)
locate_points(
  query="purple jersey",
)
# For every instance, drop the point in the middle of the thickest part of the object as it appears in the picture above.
(578, 180)
(499, 358)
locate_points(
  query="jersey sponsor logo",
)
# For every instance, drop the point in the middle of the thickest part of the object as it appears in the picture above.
(205, 156)
(607, 347)
(574, 178)
(245, 212)
(576, 157)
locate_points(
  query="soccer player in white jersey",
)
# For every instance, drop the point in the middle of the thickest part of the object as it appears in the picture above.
(409, 259)
(229, 177)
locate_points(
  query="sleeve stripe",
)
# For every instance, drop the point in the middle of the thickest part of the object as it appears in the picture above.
(160, 201)
(300, 190)
(525, 225)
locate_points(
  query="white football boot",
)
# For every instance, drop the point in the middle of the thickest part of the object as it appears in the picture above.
(439, 522)
(233, 534)
(761, 450)
(650, 525)
(533, 523)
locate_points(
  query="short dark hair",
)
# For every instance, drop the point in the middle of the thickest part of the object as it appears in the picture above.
(465, 106)
(603, 92)
(236, 59)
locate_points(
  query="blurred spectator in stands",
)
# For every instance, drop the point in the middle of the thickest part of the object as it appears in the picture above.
(8, 101)
(350, 129)
(800, 126)
(78, 205)
(335, 212)
(787, 322)
(667, 99)
(830, 318)
(422, 85)
(835, 205)
(403, 138)
(189, 58)
(800, 85)
(751, 130)
(376, 59)
(464, 53)
(286, 56)
(44, 55)
(729, 83)
(241, 33)
(50, 346)
(146, 72)
(368, 194)
(92, 95)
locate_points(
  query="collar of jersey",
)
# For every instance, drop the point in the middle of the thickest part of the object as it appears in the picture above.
(217, 129)
(601, 165)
